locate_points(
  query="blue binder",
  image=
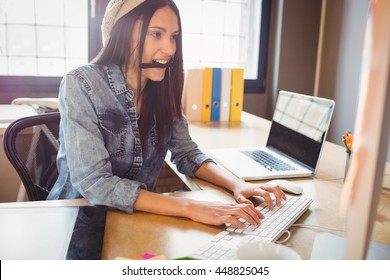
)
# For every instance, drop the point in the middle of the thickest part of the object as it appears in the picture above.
(216, 94)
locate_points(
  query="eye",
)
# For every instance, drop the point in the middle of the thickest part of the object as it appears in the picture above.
(156, 34)
(174, 37)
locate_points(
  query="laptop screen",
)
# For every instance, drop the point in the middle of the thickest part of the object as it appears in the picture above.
(299, 126)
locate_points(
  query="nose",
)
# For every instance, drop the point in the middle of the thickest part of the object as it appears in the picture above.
(169, 47)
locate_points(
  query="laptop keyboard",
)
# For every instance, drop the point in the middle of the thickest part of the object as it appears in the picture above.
(268, 161)
(224, 245)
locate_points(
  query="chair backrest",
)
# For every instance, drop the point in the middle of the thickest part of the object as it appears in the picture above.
(31, 145)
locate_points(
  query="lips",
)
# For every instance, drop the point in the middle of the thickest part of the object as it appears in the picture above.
(157, 63)
(160, 61)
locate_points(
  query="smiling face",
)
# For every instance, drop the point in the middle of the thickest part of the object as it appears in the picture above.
(159, 46)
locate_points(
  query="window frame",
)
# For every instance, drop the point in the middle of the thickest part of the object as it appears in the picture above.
(259, 85)
(12, 87)
(16, 86)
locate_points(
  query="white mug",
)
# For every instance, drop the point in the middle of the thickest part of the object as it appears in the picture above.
(266, 251)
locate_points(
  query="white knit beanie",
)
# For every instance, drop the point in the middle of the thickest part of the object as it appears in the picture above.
(114, 11)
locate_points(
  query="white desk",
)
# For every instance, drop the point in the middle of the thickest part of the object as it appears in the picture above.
(37, 230)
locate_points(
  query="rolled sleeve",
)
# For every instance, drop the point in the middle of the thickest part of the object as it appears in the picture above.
(185, 153)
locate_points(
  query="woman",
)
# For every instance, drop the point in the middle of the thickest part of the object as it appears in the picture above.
(120, 115)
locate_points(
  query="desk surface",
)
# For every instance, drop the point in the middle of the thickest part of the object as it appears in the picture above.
(127, 235)
(140, 233)
(9, 113)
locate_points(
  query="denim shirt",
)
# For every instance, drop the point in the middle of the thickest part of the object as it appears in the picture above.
(100, 156)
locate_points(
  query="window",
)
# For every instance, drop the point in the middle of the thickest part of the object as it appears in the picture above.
(226, 33)
(42, 41)
(35, 41)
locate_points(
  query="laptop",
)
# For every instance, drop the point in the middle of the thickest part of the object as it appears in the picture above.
(295, 142)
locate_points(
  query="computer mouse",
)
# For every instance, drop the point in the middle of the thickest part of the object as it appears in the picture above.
(287, 186)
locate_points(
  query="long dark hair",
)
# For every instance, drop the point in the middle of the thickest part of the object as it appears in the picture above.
(160, 100)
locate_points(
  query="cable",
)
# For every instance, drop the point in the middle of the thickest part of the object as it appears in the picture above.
(286, 239)
(305, 226)
(317, 227)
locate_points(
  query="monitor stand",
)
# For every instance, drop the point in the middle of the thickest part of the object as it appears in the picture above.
(329, 246)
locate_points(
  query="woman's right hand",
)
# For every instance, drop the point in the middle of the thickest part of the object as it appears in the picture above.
(215, 213)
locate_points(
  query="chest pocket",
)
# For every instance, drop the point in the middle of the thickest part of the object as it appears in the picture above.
(117, 134)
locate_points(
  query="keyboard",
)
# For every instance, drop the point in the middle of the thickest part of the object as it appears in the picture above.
(268, 161)
(224, 245)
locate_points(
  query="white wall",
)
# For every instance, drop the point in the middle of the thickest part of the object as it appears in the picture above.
(292, 52)
(341, 58)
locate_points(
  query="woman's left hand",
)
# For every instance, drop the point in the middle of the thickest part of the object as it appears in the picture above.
(244, 190)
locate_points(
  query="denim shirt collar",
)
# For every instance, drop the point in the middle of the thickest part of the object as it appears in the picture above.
(116, 80)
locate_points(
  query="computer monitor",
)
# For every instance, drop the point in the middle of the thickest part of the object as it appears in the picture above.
(362, 188)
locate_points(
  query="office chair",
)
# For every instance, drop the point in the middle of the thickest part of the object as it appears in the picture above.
(31, 145)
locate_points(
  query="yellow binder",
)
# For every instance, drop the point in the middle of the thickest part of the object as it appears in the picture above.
(207, 91)
(237, 94)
